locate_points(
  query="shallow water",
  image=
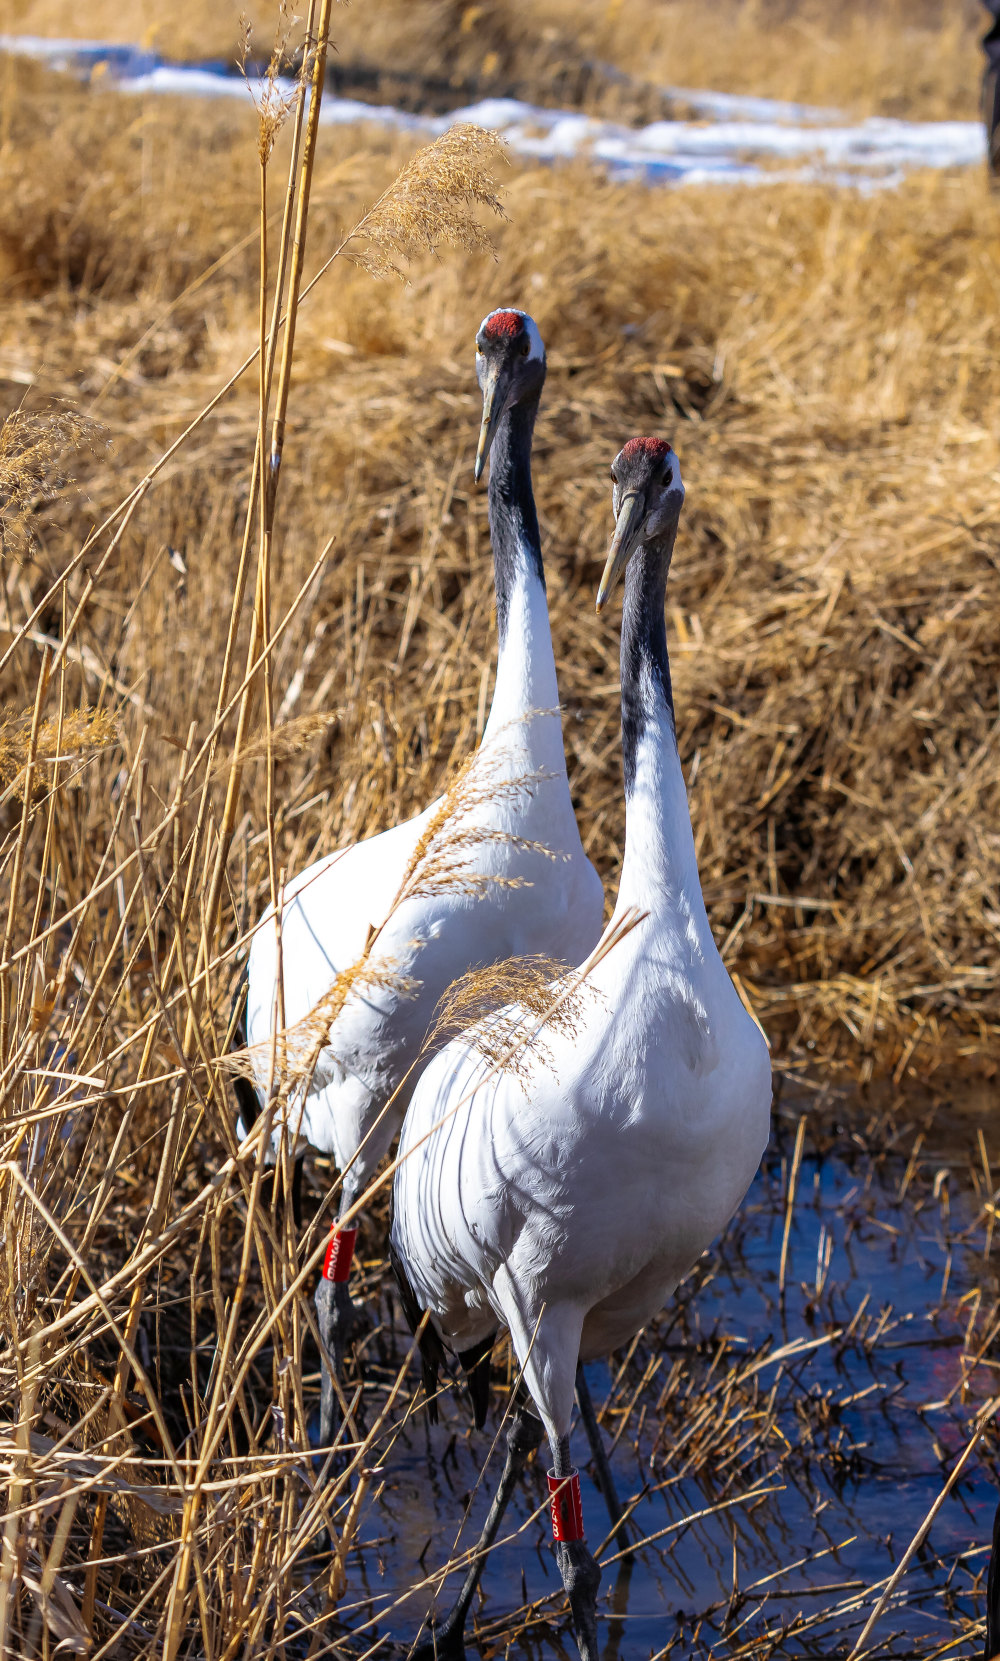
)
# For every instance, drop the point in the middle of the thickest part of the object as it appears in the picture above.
(840, 1407)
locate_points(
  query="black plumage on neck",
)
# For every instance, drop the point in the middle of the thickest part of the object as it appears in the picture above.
(513, 520)
(645, 667)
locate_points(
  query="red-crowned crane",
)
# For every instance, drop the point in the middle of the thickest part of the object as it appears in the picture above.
(528, 887)
(566, 1202)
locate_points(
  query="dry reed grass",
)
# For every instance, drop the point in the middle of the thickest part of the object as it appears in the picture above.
(823, 363)
(492, 1008)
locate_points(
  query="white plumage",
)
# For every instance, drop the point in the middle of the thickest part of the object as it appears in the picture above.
(362, 1083)
(568, 1202)
(330, 910)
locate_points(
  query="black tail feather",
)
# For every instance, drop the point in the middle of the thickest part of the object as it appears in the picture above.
(247, 1099)
(432, 1355)
(476, 1363)
(433, 1359)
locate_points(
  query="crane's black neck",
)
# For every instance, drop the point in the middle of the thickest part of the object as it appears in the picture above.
(647, 697)
(513, 521)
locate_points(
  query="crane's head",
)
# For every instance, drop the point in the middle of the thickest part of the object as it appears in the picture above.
(647, 497)
(510, 365)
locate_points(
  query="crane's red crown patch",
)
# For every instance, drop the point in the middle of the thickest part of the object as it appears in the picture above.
(646, 449)
(503, 325)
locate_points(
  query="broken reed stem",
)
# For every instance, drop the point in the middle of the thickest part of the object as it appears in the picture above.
(793, 1177)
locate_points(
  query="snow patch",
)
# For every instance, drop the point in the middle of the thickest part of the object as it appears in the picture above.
(741, 141)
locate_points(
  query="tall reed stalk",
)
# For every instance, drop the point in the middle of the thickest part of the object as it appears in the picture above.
(108, 1049)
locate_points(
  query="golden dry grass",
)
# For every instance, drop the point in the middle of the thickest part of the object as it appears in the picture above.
(824, 364)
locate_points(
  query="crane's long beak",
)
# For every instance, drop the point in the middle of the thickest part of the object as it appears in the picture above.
(628, 534)
(494, 404)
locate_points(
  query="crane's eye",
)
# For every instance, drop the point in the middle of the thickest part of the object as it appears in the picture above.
(526, 348)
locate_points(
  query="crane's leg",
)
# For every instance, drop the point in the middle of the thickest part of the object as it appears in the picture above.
(602, 1464)
(340, 1320)
(581, 1573)
(547, 1343)
(446, 1642)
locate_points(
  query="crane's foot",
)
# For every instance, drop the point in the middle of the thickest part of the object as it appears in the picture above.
(581, 1576)
(441, 1643)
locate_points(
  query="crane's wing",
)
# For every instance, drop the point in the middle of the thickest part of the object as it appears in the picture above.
(327, 917)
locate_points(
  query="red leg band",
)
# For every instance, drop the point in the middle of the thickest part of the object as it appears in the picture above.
(566, 1506)
(339, 1253)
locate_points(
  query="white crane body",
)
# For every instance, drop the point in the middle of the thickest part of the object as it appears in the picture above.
(501, 874)
(565, 1197)
(583, 1189)
(331, 909)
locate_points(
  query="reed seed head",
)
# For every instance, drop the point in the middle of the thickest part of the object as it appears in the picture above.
(83, 733)
(433, 202)
(504, 1011)
(35, 452)
(273, 100)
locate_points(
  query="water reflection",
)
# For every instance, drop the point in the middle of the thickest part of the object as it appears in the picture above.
(782, 1445)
